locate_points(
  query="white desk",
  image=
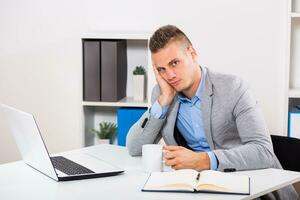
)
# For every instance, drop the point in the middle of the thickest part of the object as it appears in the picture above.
(19, 181)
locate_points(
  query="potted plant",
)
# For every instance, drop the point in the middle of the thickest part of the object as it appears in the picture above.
(139, 83)
(105, 133)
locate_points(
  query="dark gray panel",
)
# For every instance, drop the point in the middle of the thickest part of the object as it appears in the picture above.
(122, 69)
(91, 71)
(113, 64)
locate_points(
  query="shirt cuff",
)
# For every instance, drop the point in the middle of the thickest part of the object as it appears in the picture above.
(213, 160)
(157, 111)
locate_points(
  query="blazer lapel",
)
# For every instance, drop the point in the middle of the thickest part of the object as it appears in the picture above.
(168, 130)
(206, 108)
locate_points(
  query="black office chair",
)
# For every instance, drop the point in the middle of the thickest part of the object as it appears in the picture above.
(287, 150)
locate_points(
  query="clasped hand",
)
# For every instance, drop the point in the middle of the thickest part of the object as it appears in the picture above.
(179, 157)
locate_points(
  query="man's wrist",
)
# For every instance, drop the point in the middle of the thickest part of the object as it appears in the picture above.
(164, 100)
(203, 161)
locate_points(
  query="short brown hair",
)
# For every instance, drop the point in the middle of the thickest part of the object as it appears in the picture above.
(164, 35)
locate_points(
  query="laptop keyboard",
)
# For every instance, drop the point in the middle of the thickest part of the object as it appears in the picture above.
(68, 166)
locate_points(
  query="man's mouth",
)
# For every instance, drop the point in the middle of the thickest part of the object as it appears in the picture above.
(175, 83)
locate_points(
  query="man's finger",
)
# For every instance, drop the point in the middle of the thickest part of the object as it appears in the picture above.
(170, 155)
(171, 162)
(155, 70)
(176, 167)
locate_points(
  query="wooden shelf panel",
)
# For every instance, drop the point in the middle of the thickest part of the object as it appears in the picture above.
(125, 102)
(295, 15)
(294, 93)
(126, 36)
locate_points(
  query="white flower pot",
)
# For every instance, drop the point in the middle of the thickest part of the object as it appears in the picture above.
(138, 87)
(101, 141)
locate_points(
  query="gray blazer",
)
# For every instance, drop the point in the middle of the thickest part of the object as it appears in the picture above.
(234, 126)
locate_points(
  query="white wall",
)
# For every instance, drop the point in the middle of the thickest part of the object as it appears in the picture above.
(41, 62)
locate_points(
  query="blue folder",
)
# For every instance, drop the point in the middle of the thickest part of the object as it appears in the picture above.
(126, 118)
(291, 131)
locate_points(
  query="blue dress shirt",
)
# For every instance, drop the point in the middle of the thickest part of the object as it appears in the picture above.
(189, 120)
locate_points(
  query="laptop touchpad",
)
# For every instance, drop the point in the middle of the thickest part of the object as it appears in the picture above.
(91, 163)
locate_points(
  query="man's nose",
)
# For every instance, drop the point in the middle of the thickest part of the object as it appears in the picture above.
(170, 74)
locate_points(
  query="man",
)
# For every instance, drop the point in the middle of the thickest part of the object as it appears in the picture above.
(208, 120)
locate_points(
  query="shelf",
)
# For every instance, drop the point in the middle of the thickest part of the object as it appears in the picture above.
(138, 53)
(127, 36)
(295, 15)
(125, 102)
(294, 93)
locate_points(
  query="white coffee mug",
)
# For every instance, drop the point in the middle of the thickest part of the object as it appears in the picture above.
(152, 157)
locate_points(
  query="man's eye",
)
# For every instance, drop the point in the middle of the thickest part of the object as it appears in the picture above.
(175, 63)
(160, 69)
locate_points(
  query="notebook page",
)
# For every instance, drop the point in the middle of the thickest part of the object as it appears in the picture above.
(220, 181)
(184, 179)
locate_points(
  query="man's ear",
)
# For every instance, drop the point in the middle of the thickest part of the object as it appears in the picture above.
(193, 53)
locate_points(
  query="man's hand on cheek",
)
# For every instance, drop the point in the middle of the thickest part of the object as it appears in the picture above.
(182, 158)
(167, 91)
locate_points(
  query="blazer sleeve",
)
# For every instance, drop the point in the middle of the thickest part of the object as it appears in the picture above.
(256, 150)
(146, 130)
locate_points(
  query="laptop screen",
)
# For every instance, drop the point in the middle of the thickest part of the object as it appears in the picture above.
(29, 140)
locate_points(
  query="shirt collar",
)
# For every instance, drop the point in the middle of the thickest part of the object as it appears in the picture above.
(198, 96)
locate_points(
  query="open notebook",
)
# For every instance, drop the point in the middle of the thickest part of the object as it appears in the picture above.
(189, 180)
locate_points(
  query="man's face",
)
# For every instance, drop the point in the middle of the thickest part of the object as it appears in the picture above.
(176, 64)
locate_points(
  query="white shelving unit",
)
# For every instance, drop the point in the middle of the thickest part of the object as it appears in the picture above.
(125, 102)
(137, 54)
(294, 93)
(293, 57)
(294, 15)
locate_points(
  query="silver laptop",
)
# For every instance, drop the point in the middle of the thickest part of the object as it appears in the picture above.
(63, 167)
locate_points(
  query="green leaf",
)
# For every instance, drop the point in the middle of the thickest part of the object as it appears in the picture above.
(106, 130)
(139, 70)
